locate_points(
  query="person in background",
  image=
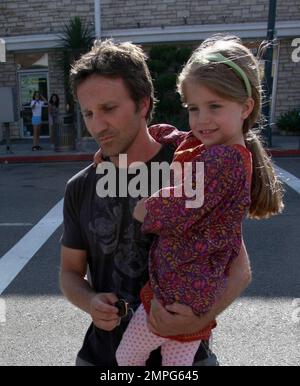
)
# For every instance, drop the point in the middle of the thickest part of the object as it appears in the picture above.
(53, 111)
(37, 103)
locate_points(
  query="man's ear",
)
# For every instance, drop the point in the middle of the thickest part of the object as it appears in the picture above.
(144, 106)
(248, 108)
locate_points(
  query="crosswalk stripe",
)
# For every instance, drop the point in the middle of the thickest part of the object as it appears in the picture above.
(288, 178)
(22, 252)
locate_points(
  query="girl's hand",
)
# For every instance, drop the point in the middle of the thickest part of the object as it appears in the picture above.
(140, 211)
(97, 158)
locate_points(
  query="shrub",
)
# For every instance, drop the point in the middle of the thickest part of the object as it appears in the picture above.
(165, 62)
(289, 121)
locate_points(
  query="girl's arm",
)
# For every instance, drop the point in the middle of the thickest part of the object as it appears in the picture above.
(162, 133)
(167, 134)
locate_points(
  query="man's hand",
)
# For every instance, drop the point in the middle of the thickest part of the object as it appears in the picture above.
(140, 210)
(174, 319)
(102, 310)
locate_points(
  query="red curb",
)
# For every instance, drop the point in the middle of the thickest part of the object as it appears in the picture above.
(89, 157)
(283, 153)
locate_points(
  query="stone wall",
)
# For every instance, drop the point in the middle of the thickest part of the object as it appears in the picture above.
(19, 17)
(56, 78)
(118, 14)
(8, 78)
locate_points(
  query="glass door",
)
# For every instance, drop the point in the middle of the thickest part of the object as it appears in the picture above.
(29, 82)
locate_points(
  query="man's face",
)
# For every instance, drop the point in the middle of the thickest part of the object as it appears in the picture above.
(110, 115)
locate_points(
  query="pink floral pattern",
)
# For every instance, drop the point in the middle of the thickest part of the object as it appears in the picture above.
(190, 258)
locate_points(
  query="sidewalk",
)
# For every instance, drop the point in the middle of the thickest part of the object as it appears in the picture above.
(282, 146)
(20, 152)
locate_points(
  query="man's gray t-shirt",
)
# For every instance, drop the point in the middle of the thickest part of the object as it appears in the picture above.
(117, 252)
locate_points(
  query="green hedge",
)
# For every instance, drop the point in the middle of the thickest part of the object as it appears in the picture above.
(289, 121)
(165, 62)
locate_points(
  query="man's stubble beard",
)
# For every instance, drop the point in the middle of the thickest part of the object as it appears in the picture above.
(121, 148)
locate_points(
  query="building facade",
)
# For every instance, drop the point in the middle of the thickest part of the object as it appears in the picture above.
(31, 32)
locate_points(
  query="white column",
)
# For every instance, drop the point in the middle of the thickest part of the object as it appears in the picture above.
(97, 7)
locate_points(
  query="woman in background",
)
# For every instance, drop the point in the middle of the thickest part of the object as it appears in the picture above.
(53, 109)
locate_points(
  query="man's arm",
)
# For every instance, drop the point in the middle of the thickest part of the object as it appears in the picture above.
(79, 292)
(184, 321)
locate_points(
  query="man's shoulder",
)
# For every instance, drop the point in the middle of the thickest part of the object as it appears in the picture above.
(81, 178)
(82, 175)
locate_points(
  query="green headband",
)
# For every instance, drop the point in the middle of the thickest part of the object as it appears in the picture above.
(219, 58)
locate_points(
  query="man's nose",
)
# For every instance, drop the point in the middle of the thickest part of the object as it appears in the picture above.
(98, 124)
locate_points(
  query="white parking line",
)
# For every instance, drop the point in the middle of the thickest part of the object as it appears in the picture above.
(288, 178)
(21, 253)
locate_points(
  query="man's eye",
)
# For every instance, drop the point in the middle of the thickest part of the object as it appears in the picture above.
(214, 107)
(87, 115)
(109, 108)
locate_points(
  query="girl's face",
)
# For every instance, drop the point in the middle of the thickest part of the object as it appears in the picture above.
(212, 118)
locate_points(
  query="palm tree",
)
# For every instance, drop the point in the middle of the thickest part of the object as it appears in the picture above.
(77, 39)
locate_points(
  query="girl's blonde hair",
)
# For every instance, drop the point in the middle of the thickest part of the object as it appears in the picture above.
(266, 190)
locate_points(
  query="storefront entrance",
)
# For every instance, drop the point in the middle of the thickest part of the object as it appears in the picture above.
(30, 81)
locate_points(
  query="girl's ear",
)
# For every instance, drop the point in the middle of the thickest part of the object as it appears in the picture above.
(248, 108)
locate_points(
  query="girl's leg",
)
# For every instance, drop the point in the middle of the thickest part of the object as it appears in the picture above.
(176, 353)
(35, 129)
(137, 342)
(36, 135)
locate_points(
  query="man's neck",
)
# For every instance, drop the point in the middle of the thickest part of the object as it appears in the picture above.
(143, 149)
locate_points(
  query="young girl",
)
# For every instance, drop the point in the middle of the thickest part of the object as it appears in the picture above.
(190, 258)
(37, 103)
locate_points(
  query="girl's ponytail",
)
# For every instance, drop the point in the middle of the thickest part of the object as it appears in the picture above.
(266, 189)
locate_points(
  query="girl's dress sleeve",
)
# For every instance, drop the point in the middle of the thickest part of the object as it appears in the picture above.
(224, 188)
(167, 134)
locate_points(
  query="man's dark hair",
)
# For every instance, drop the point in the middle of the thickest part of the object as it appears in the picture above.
(116, 60)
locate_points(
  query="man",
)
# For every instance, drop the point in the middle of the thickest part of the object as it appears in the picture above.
(114, 89)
